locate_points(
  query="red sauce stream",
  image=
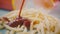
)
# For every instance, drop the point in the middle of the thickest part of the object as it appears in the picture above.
(21, 6)
(20, 20)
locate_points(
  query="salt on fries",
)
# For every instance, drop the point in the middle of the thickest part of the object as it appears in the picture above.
(40, 23)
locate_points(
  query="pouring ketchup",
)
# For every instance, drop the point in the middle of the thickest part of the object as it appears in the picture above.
(20, 20)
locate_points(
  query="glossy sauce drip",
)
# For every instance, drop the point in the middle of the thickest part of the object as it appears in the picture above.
(20, 21)
(6, 19)
(0, 19)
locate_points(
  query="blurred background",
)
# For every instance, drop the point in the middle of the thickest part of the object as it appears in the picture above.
(7, 6)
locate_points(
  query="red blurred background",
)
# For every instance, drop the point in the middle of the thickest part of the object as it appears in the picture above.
(6, 4)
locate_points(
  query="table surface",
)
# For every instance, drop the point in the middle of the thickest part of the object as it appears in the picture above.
(2, 12)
